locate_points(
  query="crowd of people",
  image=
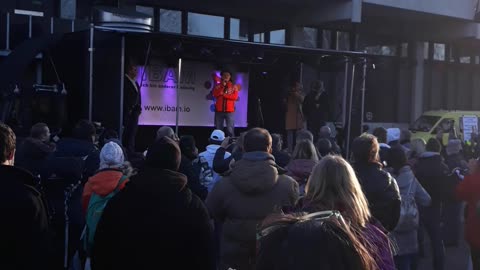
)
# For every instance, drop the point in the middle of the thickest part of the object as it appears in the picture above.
(243, 203)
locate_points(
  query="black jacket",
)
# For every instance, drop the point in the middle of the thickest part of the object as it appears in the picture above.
(432, 173)
(281, 158)
(70, 147)
(222, 164)
(154, 222)
(24, 232)
(32, 155)
(132, 101)
(310, 109)
(382, 193)
(193, 174)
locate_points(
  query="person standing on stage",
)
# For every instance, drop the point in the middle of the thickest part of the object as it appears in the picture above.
(315, 108)
(225, 94)
(294, 116)
(132, 107)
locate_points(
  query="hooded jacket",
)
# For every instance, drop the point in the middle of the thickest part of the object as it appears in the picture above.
(102, 183)
(300, 169)
(254, 188)
(382, 193)
(154, 222)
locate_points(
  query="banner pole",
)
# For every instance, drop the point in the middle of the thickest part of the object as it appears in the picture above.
(178, 94)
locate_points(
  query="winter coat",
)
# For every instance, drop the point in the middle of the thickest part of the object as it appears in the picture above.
(253, 189)
(316, 109)
(432, 173)
(382, 193)
(384, 153)
(70, 147)
(406, 241)
(32, 155)
(225, 97)
(102, 183)
(294, 117)
(193, 173)
(300, 169)
(456, 161)
(154, 222)
(469, 190)
(282, 158)
(24, 231)
(209, 155)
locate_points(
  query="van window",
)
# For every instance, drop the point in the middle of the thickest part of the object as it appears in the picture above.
(425, 123)
(446, 125)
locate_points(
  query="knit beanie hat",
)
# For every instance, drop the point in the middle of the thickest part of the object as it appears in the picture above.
(164, 154)
(111, 156)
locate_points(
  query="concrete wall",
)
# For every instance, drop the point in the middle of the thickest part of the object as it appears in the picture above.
(463, 9)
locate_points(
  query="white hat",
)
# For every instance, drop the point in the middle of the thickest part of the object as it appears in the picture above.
(393, 134)
(111, 156)
(217, 135)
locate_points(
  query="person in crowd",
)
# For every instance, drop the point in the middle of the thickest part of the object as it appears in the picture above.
(432, 173)
(316, 241)
(222, 164)
(216, 139)
(24, 230)
(35, 150)
(81, 145)
(324, 147)
(406, 238)
(315, 108)
(469, 191)
(189, 152)
(155, 220)
(393, 136)
(166, 131)
(417, 148)
(108, 135)
(381, 134)
(452, 208)
(326, 133)
(282, 158)
(294, 116)
(405, 139)
(334, 186)
(303, 134)
(113, 168)
(303, 160)
(379, 186)
(132, 106)
(225, 94)
(253, 189)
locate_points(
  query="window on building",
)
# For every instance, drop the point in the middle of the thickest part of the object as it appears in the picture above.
(277, 36)
(145, 10)
(260, 37)
(439, 52)
(205, 25)
(326, 39)
(465, 60)
(387, 50)
(238, 29)
(343, 41)
(310, 37)
(170, 21)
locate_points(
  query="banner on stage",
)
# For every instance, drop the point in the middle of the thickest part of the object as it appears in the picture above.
(160, 86)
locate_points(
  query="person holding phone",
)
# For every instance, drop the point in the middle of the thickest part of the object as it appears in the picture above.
(225, 93)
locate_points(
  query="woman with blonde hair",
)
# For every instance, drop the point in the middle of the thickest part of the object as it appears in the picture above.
(333, 185)
(304, 158)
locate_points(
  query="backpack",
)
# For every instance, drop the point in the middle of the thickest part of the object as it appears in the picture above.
(409, 216)
(205, 172)
(95, 209)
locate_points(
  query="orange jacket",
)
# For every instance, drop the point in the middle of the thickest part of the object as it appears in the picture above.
(225, 97)
(102, 183)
